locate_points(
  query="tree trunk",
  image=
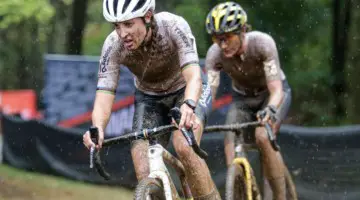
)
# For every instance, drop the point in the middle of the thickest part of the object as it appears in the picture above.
(354, 70)
(35, 59)
(76, 29)
(341, 25)
(22, 64)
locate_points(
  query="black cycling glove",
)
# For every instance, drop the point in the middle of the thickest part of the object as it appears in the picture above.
(268, 112)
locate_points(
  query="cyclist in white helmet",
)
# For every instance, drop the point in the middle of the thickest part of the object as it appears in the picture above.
(259, 84)
(160, 50)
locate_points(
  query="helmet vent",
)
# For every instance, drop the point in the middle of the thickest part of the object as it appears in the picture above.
(107, 6)
(139, 5)
(115, 3)
(126, 4)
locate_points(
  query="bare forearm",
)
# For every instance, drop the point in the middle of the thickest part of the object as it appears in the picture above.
(193, 89)
(192, 75)
(102, 109)
(276, 98)
(276, 92)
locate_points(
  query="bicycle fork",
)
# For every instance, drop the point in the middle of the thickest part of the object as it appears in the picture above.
(158, 170)
(241, 159)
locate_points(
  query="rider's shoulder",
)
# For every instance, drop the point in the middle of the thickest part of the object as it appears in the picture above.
(259, 38)
(112, 41)
(214, 51)
(112, 47)
(261, 43)
(166, 16)
(213, 56)
(169, 20)
(112, 38)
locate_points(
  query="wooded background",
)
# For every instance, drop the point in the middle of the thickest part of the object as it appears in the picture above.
(318, 43)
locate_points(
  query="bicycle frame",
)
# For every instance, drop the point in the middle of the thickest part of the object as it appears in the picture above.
(241, 149)
(157, 155)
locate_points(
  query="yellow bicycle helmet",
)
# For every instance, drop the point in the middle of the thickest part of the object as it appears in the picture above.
(225, 17)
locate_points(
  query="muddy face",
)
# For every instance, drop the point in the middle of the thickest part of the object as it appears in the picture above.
(132, 32)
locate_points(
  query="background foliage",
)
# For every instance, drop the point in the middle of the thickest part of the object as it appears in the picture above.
(310, 52)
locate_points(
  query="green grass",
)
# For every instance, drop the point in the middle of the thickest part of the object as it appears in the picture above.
(17, 184)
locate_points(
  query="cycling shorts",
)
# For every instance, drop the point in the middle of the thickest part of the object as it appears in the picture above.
(244, 108)
(153, 110)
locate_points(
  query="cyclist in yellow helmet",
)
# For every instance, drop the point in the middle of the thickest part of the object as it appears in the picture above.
(251, 59)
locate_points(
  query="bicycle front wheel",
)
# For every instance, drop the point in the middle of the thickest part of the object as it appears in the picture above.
(149, 189)
(240, 183)
(235, 183)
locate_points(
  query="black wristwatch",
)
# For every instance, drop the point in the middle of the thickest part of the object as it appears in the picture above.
(190, 103)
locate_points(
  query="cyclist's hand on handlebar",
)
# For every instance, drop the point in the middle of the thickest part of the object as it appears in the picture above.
(188, 117)
(89, 143)
(263, 119)
(87, 140)
(267, 115)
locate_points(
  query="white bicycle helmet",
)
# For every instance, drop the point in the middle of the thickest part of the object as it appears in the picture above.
(122, 10)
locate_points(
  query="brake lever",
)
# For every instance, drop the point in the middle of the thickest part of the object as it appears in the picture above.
(188, 134)
(271, 137)
(95, 154)
(92, 151)
(269, 132)
(94, 133)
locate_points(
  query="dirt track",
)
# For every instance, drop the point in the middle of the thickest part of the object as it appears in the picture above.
(19, 185)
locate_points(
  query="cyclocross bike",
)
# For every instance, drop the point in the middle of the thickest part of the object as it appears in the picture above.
(240, 180)
(158, 185)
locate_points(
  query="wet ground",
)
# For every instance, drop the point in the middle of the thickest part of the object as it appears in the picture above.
(20, 185)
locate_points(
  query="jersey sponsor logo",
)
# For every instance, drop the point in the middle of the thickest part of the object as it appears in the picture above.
(101, 76)
(193, 49)
(183, 37)
(193, 42)
(190, 52)
(270, 68)
(205, 95)
(105, 60)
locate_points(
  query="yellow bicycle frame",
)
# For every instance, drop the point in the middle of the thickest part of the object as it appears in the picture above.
(246, 165)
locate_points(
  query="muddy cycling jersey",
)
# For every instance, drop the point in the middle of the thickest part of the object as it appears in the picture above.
(257, 65)
(157, 66)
